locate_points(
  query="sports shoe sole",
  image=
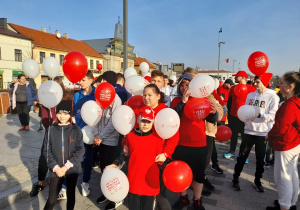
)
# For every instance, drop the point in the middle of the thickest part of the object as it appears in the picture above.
(102, 201)
(215, 170)
(258, 190)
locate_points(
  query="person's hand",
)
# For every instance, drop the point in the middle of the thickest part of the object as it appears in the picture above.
(126, 150)
(110, 166)
(185, 96)
(213, 107)
(267, 137)
(97, 142)
(253, 118)
(59, 172)
(34, 103)
(160, 159)
(146, 82)
(99, 111)
(64, 169)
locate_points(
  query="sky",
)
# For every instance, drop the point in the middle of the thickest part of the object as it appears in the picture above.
(173, 31)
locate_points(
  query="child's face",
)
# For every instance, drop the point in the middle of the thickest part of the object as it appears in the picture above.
(85, 82)
(158, 81)
(145, 125)
(184, 86)
(63, 117)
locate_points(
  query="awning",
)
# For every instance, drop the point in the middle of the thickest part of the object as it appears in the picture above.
(17, 72)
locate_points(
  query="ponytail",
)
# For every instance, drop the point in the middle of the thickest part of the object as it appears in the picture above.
(293, 78)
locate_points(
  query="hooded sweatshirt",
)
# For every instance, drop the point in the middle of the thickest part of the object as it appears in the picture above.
(286, 131)
(266, 104)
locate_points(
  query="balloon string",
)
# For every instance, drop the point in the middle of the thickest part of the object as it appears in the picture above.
(72, 103)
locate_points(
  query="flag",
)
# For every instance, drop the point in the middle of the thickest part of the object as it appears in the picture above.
(220, 31)
(227, 60)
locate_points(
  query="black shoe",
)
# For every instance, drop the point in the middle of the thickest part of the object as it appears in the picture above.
(236, 186)
(40, 129)
(216, 169)
(113, 205)
(258, 186)
(205, 192)
(101, 199)
(273, 208)
(277, 205)
(36, 189)
(198, 205)
(181, 203)
(208, 185)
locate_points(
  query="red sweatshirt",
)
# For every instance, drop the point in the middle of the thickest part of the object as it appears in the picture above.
(143, 172)
(225, 92)
(286, 131)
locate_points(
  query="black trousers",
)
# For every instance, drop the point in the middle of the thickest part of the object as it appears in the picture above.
(141, 202)
(107, 155)
(161, 199)
(43, 167)
(260, 150)
(54, 188)
(214, 154)
(236, 126)
(23, 112)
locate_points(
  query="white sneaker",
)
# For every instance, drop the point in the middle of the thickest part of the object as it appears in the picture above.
(85, 189)
(62, 195)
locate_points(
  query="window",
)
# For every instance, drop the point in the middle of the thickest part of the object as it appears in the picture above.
(61, 59)
(122, 65)
(223, 78)
(42, 56)
(52, 55)
(18, 55)
(0, 53)
(91, 64)
(97, 62)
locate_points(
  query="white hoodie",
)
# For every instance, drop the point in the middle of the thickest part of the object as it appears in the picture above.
(266, 104)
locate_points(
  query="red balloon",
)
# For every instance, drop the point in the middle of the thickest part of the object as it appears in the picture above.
(258, 63)
(135, 102)
(99, 66)
(105, 94)
(241, 90)
(75, 66)
(197, 108)
(223, 134)
(177, 176)
(148, 78)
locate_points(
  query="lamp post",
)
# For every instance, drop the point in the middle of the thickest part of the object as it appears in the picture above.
(233, 65)
(125, 34)
(219, 45)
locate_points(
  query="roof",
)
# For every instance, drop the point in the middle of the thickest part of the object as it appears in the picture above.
(50, 41)
(139, 60)
(7, 32)
(214, 71)
(100, 45)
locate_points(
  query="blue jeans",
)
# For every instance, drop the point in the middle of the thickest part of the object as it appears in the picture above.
(88, 162)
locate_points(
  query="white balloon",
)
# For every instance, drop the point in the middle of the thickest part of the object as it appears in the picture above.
(88, 135)
(51, 66)
(246, 112)
(147, 74)
(173, 77)
(166, 123)
(144, 67)
(50, 93)
(129, 72)
(91, 113)
(123, 119)
(202, 86)
(31, 68)
(114, 184)
(135, 85)
(217, 83)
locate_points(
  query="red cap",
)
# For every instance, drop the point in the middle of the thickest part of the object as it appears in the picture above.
(241, 73)
(146, 113)
(265, 78)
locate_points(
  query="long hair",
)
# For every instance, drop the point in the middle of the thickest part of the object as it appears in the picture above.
(293, 78)
(156, 91)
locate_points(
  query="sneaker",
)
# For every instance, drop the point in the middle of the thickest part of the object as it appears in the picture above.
(101, 199)
(36, 189)
(113, 205)
(62, 195)
(258, 186)
(216, 169)
(247, 161)
(273, 208)
(205, 192)
(236, 186)
(26, 128)
(40, 129)
(229, 155)
(22, 128)
(182, 202)
(85, 189)
(267, 165)
(198, 205)
(208, 185)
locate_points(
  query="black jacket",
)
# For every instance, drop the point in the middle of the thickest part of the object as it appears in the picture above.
(67, 138)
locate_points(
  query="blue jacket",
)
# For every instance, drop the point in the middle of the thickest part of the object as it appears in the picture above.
(30, 93)
(122, 93)
(78, 100)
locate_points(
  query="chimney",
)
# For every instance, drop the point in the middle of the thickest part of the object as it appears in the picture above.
(3, 22)
(66, 35)
(43, 29)
(56, 32)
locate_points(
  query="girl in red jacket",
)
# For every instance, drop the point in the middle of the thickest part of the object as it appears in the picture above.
(286, 143)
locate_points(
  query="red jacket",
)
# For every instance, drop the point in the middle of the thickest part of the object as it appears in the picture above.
(237, 102)
(191, 133)
(225, 92)
(286, 131)
(143, 172)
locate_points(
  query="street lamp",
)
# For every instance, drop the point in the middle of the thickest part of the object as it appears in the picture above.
(233, 65)
(219, 45)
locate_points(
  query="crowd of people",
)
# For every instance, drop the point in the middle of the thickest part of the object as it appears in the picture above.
(274, 130)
